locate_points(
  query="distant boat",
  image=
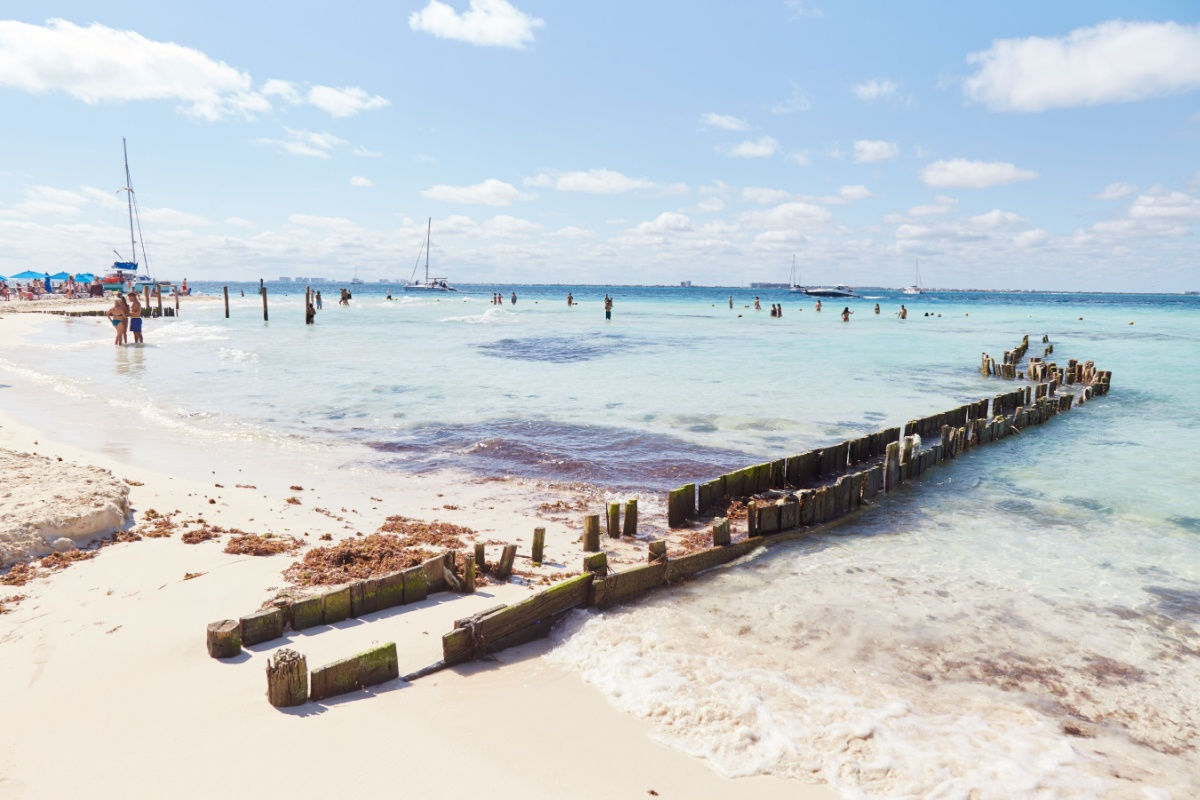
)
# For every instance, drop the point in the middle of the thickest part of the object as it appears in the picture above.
(429, 284)
(356, 279)
(124, 273)
(916, 287)
(792, 285)
(830, 291)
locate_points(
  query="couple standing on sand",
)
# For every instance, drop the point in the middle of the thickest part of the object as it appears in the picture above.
(126, 317)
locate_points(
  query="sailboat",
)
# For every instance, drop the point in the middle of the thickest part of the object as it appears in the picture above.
(792, 285)
(916, 287)
(126, 272)
(429, 284)
(356, 279)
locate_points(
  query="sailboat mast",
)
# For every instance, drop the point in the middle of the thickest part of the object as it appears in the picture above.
(129, 201)
(428, 230)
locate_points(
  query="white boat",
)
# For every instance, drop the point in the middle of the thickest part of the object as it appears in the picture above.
(356, 280)
(916, 287)
(792, 285)
(818, 291)
(429, 284)
(125, 273)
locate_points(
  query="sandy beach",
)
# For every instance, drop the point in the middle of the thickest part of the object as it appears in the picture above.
(110, 692)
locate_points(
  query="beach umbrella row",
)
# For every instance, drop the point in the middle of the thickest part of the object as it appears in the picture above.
(29, 275)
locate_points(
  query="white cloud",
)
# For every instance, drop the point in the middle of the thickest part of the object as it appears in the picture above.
(787, 215)
(764, 196)
(796, 101)
(800, 159)
(346, 101)
(726, 122)
(1115, 191)
(855, 192)
(710, 205)
(574, 232)
(763, 147)
(238, 222)
(874, 89)
(997, 219)
(1113, 62)
(48, 201)
(362, 152)
(487, 22)
(1031, 238)
(98, 64)
(284, 90)
(317, 221)
(491, 192)
(801, 9)
(1164, 204)
(592, 181)
(305, 143)
(870, 151)
(361, 181)
(942, 206)
(667, 222)
(959, 173)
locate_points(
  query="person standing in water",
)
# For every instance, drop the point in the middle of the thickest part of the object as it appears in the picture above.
(877, 309)
(818, 305)
(731, 301)
(118, 315)
(903, 312)
(846, 312)
(514, 298)
(135, 317)
(607, 307)
(570, 300)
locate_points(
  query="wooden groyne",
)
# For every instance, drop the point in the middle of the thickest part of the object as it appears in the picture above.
(783, 499)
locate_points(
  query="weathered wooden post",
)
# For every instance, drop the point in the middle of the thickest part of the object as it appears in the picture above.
(176, 302)
(507, 555)
(539, 544)
(631, 517)
(597, 563)
(591, 533)
(158, 297)
(146, 304)
(224, 638)
(226, 302)
(752, 518)
(614, 520)
(657, 550)
(468, 579)
(264, 297)
(720, 532)
(287, 679)
(480, 556)
(891, 466)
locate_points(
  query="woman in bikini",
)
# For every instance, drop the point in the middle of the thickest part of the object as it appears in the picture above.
(118, 315)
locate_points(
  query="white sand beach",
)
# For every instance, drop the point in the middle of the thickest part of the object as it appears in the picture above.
(109, 691)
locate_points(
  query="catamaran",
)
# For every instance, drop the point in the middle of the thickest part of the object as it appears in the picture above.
(916, 287)
(429, 284)
(124, 273)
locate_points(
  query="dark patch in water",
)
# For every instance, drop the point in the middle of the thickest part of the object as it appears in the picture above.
(558, 349)
(1189, 524)
(618, 458)
(1013, 506)
(874, 416)
(1089, 503)
(1177, 603)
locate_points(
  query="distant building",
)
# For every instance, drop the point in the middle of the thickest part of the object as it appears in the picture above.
(685, 284)
(762, 285)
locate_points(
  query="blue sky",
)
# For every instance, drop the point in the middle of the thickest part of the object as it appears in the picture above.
(1017, 145)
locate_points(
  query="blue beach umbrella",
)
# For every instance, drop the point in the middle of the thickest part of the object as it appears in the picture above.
(84, 277)
(60, 276)
(27, 275)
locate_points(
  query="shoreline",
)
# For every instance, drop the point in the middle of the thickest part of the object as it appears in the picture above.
(149, 701)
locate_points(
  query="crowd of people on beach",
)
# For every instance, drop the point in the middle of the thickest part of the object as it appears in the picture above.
(39, 288)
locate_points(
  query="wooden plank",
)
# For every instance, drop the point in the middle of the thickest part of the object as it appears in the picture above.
(415, 587)
(337, 604)
(630, 583)
(692, 563)
(377, 665)
(560, 597)
(308, 612)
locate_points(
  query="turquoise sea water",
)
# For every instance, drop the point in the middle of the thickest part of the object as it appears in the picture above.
(1022, 622)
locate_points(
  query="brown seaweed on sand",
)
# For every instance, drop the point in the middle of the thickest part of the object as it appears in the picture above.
(11, 600)
(435, 534)
(57, 561)
(264, 544)
(355, 559)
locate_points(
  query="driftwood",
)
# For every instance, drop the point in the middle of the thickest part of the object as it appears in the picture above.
(287, 679)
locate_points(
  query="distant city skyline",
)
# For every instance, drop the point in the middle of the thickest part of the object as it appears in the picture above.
(1023, 146)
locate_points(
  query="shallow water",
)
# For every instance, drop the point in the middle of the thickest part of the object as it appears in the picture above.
(1022, 622)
